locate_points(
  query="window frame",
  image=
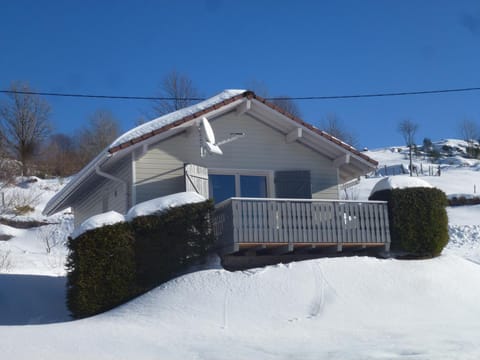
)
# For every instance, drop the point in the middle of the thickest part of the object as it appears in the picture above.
(268, 174)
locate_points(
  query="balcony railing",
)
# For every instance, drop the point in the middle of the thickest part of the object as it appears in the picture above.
(244, 222)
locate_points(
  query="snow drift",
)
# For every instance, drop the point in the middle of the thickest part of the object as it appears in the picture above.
(344, 308)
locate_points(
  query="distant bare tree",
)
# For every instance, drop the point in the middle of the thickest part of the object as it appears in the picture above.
(258, 87)
(60, 156)
(408, 130)
(469, 130)
(287, 104)
(24, 123)
(333, 125)
(102, 129)
(180, 91)
(470, 133)
(282, 101)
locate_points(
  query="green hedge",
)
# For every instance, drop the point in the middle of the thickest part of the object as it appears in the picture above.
(101, 269)
(167, 244)
(110, 265)
(462, 200)
(418, 220)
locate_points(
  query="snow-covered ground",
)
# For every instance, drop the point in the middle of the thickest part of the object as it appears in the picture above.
(336, 308)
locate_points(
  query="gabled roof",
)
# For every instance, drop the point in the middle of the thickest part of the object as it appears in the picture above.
(126, 142)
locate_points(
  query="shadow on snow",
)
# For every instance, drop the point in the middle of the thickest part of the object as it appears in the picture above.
(31, 299)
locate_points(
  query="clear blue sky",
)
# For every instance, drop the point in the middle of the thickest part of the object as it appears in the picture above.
(296, 48)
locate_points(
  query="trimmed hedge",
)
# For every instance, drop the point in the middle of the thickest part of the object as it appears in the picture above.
(418, 220)
(169, 243)
(101, 269)
(112, 264)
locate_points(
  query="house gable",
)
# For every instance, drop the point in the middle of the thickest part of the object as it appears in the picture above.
(159, 171)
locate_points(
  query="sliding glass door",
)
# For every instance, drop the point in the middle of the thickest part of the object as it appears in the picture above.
(237, 184)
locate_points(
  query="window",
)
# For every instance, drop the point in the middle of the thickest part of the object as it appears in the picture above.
(226, 184)
(222, 187)
(253, 186)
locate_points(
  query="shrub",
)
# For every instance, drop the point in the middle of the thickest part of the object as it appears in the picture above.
(20, 201)
(462, 200)
(101, 270)
(418, 220)
(168, 243)
(110, 265)
(22, 209)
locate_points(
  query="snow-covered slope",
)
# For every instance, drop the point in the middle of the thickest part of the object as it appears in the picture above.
(342, 308)
(336, 308)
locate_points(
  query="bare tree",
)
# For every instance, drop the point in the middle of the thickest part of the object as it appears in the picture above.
(408, 130)
(470, 133)
(469, 130)
(60, 156)
(282, 101)
(179, 90)
(334, 126)
(102, 129)
(24, 123)
(258, 87)
(287, 104)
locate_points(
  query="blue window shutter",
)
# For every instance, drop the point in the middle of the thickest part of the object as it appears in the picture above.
(293, 184)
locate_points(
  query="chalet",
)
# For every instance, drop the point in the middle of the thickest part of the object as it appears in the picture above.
(275, 179)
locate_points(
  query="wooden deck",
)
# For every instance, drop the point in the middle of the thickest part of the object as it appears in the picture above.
(285, 225)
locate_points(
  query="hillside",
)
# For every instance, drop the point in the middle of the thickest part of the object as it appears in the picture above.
(338, 308)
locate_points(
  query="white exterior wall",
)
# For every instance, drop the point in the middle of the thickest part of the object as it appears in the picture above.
(159, 171)
(108, 192)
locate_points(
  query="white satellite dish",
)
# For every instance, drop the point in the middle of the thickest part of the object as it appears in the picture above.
(213, 149)
(207, 128)
(207, 142)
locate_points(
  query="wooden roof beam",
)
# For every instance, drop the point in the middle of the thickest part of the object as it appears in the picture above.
(244, 107)
(294, 135)
(341, 160)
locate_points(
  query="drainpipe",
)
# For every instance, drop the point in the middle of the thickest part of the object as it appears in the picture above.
(98, 171)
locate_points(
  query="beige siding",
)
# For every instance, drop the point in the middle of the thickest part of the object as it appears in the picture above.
(160, 170)
(107, 195)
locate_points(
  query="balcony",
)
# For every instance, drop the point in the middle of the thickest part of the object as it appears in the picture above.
(288, 225)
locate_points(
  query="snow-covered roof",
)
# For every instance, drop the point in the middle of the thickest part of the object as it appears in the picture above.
(137, 135)
(170, 121)
(151, 126)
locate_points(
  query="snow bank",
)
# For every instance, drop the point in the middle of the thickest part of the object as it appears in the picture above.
(341, 308)
(458, 161)
(6, 231)
(399, 182)
(96, 221)
(163, 203)
(464, 241)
